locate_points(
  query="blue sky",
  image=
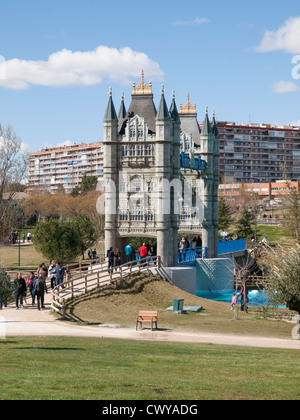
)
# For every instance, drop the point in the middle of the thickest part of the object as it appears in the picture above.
(62, 56)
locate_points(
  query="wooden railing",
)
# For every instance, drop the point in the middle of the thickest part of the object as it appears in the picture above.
(256, 281)
(96, 277)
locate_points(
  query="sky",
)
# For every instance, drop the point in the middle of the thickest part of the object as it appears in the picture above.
(58, 60)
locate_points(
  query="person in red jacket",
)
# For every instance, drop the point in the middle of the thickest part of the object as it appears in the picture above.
(143, 251)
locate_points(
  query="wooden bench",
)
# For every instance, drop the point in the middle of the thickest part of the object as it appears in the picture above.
(147, 316)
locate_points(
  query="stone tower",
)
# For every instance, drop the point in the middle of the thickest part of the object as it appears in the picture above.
(143, 172)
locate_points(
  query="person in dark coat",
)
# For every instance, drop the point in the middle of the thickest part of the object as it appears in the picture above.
(41, 288)
(20, 290)
(111, 257)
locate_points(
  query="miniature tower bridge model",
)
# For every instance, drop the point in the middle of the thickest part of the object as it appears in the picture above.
(161, 173)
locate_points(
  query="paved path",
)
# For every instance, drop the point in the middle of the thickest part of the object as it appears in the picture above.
(31, 322)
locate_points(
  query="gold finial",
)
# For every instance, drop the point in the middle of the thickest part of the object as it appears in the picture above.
(188, 108)
(142, 88)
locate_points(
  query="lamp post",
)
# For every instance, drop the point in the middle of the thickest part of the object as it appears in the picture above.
(19, 232)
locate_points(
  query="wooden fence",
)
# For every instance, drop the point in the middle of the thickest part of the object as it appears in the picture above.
(96, 277)
(256, 281)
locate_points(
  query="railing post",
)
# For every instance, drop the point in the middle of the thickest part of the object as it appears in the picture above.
(85, 283)
(158, 262)
(98, 280)
(72, 289)
(63, 308)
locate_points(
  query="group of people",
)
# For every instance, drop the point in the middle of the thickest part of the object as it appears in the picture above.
(92, 254)
(115, 257)
(185, 245)
(14, 237)
(36, 283)
(244, 299)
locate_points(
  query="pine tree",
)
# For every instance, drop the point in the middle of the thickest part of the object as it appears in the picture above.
(245, 224)
(225, 218)
(5, 285)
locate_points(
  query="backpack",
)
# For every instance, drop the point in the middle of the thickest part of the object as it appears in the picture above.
(34, 287)
(110, 254)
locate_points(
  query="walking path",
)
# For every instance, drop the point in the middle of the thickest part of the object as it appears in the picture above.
(28, 321)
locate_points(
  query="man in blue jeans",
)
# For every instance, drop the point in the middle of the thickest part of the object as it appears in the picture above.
(59, 272)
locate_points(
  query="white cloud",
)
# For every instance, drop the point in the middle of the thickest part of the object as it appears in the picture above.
(65, 143)
(284, 87)
(66, 68)
(295, 123)
(197, 21)
(286, 38)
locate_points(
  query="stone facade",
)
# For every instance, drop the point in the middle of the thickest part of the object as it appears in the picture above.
(146, 191)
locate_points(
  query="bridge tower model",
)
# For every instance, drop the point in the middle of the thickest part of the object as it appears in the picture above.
(154, 186)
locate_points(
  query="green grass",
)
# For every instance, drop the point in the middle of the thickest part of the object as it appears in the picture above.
(105, 369)
(276, 234)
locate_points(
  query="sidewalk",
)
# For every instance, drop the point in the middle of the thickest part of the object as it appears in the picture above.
(31, 322)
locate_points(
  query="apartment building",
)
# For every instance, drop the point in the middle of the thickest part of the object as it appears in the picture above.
(276, 191)
(258, 152)
(64, 166)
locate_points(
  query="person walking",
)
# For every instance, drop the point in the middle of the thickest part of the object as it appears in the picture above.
(52, 275)
(68, 277)
(59, 272)
(233, 301)
(118, 258)
(111, 257)
(30, 285)
(41, 288)
(20, 289)
(128, 252)
(143, 251)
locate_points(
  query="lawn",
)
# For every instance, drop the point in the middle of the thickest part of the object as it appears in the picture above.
(276, 235)
(71, 368)
(29, 256)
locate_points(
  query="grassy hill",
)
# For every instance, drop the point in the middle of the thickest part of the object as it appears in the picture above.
(120, 305)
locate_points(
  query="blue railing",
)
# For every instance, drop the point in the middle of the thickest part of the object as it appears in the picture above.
(226, 247)
(191, 254)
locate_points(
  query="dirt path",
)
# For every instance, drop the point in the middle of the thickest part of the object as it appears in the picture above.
(28, 321)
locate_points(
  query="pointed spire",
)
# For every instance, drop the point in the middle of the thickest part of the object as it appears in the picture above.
(206, 129)
(163, 109)
(214, 127)
(173, 109)
(122, 110)
(110, 113)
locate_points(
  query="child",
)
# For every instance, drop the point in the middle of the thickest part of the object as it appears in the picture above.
(233, 301)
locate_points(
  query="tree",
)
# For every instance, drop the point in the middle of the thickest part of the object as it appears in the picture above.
(224, 214)
(245, 224)
(64, 240)
(86, 230)
(291, 220)
(57, 240)
(88, 183)
(13, 167)
(284, 286)
(6, 289)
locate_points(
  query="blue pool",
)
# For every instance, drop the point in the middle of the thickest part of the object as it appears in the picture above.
(256, 297)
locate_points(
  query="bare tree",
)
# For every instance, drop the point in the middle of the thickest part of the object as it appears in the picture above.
(13, 167)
